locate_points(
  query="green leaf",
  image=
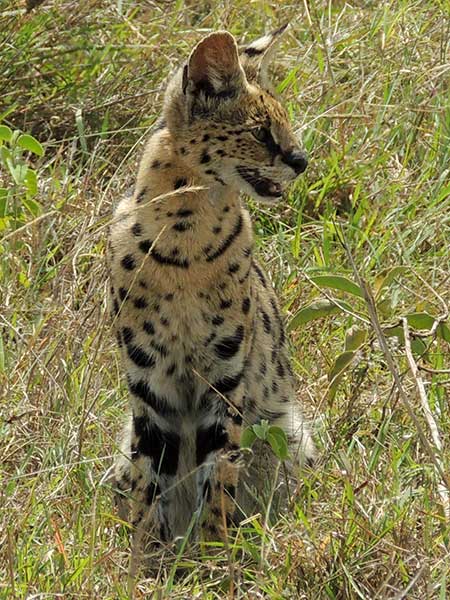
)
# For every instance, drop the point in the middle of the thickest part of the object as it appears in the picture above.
(278, 441)
(273, 441)
(340, 364)
(385, 277)
(337, 371)
(18, 172)
(5, 154)
(31, 182)
(5, 133)
(248, 437)
(338, 282)
(423, 320)
(33, 206)
(261, 429)
(417, 345)
(355, 338)
(3, 201)
(28, 142)
(317, 310)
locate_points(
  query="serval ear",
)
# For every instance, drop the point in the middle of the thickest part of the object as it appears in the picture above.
(213, 70)
(257, 56)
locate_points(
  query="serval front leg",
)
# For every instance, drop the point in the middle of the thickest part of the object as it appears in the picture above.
(219, 458)
(155, 447)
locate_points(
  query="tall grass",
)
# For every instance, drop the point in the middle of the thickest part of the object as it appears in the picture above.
(367, 85)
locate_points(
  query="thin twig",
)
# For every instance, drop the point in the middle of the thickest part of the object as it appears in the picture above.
(432, 425)
(371, 307)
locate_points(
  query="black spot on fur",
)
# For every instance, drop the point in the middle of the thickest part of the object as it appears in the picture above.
(148, 327)
(217, 320)
(209, 440)
(145, 246)
(152, 492)
(274, 387)
(205, 158)
(139, 356)
(136, 229)
(260, 274)
(182, 226)
(127, 334)
(156, 164)
(266, 321)
(205, 137)
(162, 446)
(217, 229)
(184, 212)
(228, 384)
(234, 267)
(159, 348)
(229, 346)
(128, 262)
(171, 370)
(168, 297)
(245, 305)
(222, 138)
(142, 390)
(122, 293)
(280, 369)
(227, 242)
(140, 302)
(141, 195)
(226, 304)
(180, 182)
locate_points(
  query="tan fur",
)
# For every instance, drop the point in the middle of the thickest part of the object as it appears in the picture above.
(197, 320)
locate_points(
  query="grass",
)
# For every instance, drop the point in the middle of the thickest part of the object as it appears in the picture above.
(367, 85)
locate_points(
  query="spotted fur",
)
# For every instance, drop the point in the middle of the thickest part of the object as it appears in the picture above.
(195, 316)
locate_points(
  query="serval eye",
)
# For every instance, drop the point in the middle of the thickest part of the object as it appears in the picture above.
(262, 134)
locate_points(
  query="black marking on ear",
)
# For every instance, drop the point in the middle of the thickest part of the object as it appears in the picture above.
(185, 79)
(253, 51)
(208, 90)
